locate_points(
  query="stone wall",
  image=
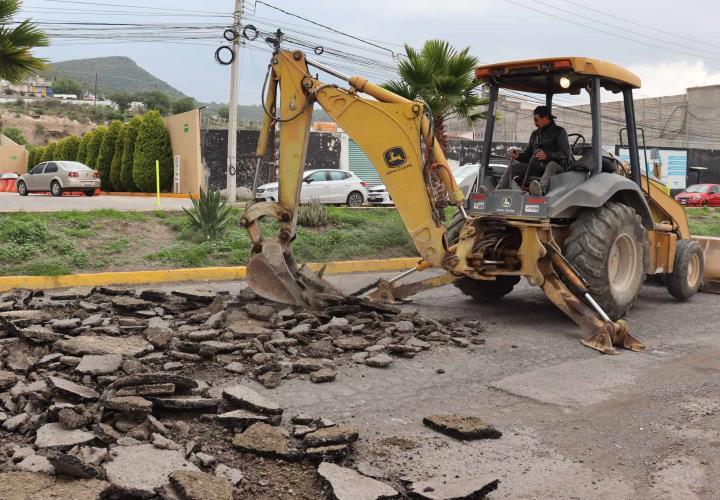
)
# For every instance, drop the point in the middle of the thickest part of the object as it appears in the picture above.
(323, 152)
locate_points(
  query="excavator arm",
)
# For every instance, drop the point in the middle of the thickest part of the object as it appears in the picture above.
(395, 133)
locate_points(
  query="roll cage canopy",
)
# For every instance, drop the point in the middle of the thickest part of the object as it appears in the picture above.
(563, 75)
(543, 76)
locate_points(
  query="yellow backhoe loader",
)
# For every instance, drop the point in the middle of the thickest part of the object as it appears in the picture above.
(589, 242)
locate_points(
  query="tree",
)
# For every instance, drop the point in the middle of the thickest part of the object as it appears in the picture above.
(105, 155)
(156, 100)
(152, 143)
(69, 149)
(93, 147)
(48, 152)
(82, 150)
(122, 99)
(65, 85)
(32, 157)
(15, 135)
(224, 112)
(183, 105)
(59, 149)
(17, 39)
(116, 164)
(443, 78)
(126, 174)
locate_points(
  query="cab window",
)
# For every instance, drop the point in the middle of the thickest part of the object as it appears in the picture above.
(38, 169)
(51, 168)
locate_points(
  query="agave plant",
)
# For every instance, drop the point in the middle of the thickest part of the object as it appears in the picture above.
(210, 214)
(314, 214)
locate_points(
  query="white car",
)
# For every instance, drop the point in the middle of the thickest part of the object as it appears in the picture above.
(327, 185)
(378, 195)
(465, 177)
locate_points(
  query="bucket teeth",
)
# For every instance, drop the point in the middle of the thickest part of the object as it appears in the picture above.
(273, 275)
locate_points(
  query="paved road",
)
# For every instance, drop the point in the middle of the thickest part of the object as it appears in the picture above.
(13, 202)
(575, 423)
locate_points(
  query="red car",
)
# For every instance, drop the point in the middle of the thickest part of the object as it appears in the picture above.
(700, 195)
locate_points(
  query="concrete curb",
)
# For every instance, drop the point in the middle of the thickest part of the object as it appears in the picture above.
(196, 274)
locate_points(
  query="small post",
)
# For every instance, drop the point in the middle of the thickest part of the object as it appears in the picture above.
(157, 181)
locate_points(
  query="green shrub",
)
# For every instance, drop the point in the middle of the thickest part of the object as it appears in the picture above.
(69, 150)
(82, 150)
(59, 149)
(128, 154)
(49, 152)
(15, 134)
(93, 147)
(32, 157)
(116, 165)
(314, 214)
(210, 214)
(105, 156)
(152, 143)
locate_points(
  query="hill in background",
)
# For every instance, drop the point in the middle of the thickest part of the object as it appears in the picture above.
(116, 73)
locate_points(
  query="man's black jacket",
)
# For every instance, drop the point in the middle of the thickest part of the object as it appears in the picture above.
(553, 140)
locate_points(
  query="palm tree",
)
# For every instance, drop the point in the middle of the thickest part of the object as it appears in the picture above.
(444, 79)
(17, 39)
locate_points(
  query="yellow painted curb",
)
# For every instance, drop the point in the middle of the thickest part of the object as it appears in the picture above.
(196, 274)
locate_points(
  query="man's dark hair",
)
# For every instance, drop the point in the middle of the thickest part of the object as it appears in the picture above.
(542, 112)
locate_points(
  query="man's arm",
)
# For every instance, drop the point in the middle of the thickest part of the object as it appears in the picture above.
(561, 154)
(527, 154)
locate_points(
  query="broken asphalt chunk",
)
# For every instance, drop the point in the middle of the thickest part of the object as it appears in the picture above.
(462, 427)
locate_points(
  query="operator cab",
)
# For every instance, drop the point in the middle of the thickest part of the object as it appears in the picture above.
(589, 164)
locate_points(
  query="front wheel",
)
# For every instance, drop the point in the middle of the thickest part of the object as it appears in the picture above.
(487, 290)
(608, 247)
(55, 189)
(355, 199)
(90, 193)
(22, 189)
(686, 278)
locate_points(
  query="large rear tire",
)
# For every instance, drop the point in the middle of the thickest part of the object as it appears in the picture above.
(485, 290)
(686, 278)
(608, 248)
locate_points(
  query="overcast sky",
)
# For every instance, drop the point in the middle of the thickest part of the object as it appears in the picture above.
(670, 45)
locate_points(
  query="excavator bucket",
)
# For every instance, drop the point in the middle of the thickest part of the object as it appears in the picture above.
(274, 275)
(711, 254)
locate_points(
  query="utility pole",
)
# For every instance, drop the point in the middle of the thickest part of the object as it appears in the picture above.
(95, 96)
(232, 115)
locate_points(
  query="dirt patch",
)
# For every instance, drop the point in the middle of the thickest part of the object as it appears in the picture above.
(123, 245)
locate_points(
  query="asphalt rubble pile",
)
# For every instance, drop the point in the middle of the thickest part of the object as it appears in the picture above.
(105, 385)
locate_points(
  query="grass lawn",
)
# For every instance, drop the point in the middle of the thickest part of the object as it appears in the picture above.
(109, 240)
(704, 221)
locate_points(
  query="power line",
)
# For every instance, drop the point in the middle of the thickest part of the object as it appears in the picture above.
(323, 26)
(616, 35)
(645, 35)
(654, 28)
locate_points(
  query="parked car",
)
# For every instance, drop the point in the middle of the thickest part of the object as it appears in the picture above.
(465, 177)
(378, 195)
(328, 186)
(57, 177)
(700, 195)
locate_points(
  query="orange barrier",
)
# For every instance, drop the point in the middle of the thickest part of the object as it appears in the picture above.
(11, 186)
(3, 185)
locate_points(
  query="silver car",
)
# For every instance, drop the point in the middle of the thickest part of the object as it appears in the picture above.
(57, 177)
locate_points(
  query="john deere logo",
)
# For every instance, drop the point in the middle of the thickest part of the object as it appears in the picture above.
(395, 157)
(506, 202)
